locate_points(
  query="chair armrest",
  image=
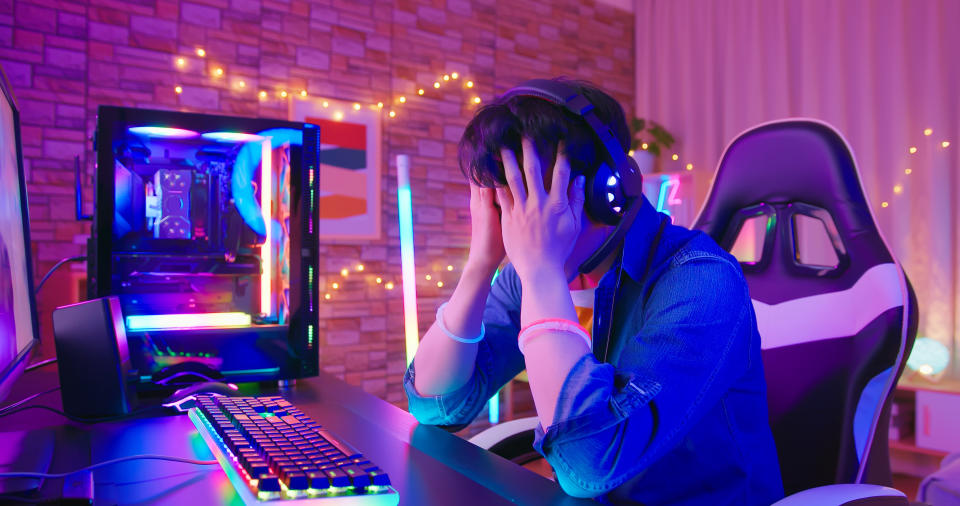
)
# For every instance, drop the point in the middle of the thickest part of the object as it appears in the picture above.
(503, 431)
(846, 494)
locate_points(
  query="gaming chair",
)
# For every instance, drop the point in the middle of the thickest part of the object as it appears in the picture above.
(835, 338)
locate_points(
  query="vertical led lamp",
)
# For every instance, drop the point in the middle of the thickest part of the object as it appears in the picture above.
(266, 202)
(408, 269)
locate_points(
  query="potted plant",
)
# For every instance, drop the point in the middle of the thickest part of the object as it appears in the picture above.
(648, 139)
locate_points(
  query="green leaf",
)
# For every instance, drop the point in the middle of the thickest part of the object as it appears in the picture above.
(654, 148)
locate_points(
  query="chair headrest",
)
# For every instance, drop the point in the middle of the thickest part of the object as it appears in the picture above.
(787, 165)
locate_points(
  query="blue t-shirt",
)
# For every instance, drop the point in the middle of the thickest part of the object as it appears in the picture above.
(677, 413)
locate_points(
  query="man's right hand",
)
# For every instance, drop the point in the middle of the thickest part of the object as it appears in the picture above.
(486, 238)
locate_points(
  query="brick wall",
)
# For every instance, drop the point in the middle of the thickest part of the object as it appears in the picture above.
(65, 58)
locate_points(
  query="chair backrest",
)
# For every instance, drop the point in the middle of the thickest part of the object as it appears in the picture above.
(836, 324)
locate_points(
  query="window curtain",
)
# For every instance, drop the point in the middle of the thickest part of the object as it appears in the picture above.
(882, 72)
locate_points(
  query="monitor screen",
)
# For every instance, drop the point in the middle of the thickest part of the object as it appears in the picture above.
(17, 329)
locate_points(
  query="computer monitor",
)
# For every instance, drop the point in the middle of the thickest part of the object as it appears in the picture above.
(18, 310)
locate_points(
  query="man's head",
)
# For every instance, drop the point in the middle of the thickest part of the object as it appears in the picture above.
(504, 122)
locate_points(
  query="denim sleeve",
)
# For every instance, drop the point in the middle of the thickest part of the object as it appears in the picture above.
(693, 342)
(498, 361)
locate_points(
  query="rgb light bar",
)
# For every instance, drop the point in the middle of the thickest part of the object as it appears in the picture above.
(187, 321)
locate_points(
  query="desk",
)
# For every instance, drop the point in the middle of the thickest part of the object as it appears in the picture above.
(426, 465)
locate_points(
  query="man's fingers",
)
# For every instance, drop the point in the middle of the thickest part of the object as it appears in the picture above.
(577, 195)
(532, 170)
(505, 198)
(514, 178)
(561, 175)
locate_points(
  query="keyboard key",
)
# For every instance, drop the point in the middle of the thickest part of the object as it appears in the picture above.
(268, 483)
(341, 445)
(378, 477)
(296, 481)
(358, 476)
(337, 477)
(318, 480)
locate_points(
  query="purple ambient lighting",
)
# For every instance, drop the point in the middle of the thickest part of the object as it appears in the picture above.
(232, 137)
(163, 132)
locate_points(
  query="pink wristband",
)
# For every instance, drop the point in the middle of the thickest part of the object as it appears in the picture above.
(540, 327)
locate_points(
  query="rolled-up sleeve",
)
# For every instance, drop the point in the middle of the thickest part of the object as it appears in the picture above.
(498, 361)
(693, 342)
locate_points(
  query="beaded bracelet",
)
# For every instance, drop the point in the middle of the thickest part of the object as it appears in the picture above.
(453, 336)
(540, 327)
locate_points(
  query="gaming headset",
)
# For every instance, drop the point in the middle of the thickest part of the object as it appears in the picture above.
(613, 193)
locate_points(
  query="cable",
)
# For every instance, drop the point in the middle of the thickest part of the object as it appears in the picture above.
(54, 268)
(77, 419)
(27, 399)
(109, 463)
(40, 364)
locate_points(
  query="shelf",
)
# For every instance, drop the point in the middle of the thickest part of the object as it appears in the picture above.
(908, 444)
(913, 385)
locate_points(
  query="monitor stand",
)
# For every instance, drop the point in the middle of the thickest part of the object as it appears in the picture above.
(25, 451)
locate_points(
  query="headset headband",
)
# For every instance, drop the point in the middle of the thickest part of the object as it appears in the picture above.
(569, 98)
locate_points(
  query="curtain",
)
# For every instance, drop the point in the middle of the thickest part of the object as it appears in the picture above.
(882, 72)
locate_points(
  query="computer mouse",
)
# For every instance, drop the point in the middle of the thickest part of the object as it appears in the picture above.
(187, 394)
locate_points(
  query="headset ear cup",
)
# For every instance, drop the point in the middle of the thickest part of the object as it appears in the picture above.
(596, 200)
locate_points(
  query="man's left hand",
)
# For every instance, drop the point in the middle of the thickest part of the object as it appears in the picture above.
(539, 228)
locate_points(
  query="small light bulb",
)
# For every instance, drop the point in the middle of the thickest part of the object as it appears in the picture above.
(336, 286)
(945, 144)
(675, 157)
(454, 75)
(644, 146)
(689, 166)
(436, 84)
(283, 93)
(338, 115)
(326, 104)
(389, 285)
(380, 105)
(420, 91)
(263, 94)
(181, 62)
(908, 171)
(200, 52)
(178, 90)
(403, 100)
(393, 114)
(446, 77)
(927, 131)
(469, 84)
(303, 93)
(449, 267)
(356, 107)
(439, 284)
(898, 189)
(884, 204)
(925, 369)
(476, 100)
(326, 296)
(630, 153)
(379, 280)
(360, 267)
(428, 277)
(218, 71)
(344, 272)
(913, 149)
(242, 84)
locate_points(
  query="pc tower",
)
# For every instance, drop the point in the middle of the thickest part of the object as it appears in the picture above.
(204, 230)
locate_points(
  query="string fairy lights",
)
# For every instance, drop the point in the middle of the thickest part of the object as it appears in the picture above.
(898, 187)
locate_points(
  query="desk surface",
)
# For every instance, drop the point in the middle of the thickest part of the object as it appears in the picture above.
(426, 465)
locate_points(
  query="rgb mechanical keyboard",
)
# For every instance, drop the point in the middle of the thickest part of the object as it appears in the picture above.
(273, 452)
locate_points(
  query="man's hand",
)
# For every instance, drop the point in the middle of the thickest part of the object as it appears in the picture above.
(539, 228)
(486, 238)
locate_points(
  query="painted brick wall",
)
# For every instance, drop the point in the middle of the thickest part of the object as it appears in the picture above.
(65, 58)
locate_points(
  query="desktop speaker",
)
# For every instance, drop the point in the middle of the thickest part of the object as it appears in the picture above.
(93, 358)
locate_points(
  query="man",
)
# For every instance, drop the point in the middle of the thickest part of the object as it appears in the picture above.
(669, 406)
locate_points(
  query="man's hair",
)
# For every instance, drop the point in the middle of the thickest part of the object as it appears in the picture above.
(504, 122)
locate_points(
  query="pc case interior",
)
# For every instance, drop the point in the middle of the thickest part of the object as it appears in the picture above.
(204, 228)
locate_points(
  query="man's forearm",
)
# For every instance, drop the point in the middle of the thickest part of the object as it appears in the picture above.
(549, 357)
(443, 364)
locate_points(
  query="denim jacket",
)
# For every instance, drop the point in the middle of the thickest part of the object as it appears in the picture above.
(677, 413)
